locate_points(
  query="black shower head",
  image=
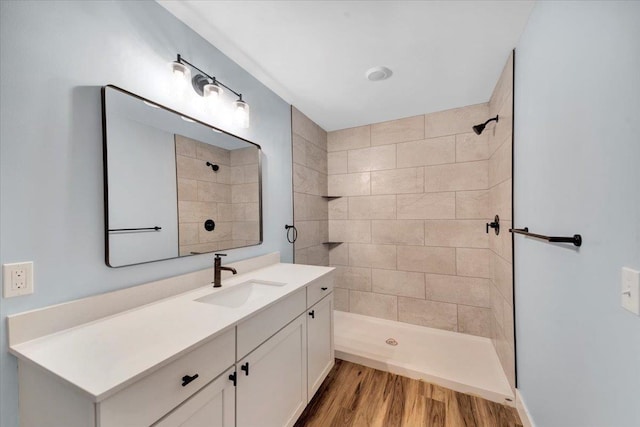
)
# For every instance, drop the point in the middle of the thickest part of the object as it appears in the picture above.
(479, 128)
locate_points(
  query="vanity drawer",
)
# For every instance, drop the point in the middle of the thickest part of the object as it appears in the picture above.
(257, 329)
(319, 288)
(145, 401)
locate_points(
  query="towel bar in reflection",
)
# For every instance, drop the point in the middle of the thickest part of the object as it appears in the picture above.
(576, 239)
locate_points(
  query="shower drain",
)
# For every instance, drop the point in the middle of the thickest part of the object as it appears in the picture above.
(391, 341)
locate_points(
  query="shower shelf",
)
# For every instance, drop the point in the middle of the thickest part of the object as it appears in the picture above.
(332, 243)
(331, 197)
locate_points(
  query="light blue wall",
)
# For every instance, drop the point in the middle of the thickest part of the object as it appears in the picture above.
(577, 170)
(55, 58)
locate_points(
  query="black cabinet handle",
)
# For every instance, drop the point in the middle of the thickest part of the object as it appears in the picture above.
(187, 379)
(312, 313)
(233, 377)
(245, 368)
(324, 289)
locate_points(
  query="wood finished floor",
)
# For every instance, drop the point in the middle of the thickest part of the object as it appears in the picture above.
(354, 395)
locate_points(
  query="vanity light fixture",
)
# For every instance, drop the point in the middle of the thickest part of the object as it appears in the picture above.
(211, 88)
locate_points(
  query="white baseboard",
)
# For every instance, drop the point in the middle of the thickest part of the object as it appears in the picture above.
(523, 412)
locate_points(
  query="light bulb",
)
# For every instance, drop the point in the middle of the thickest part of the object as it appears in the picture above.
(241, 114)
(181, 74)
(212, 92)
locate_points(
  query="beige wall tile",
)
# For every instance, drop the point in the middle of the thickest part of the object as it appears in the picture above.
(356, 278)
(349, 139)
(185, 146)
(244, 156)
(225, 212)
(372, 158)
(503, 88)
(189, 233)
(497, 306)
(352, 184)
(408, 129)
(377, 256)
(372, 207)
(318, 255)
(457, 120)
(316, 158)
(474, 321)
(214, 192)
(196, 211)
(187, 189)
(397, 232)
(500, 165)
(307, 129)
(339, 254)
(340, 299)
(309, 234)
(458, 290)
(428, 313)
(434, 151)
(500, 199)
(339, 208)
(465, 233)
(426, 259)
(223, 231)
(190, 168)
(473, 262)
(473, 205)
(245, 212)
(503, 277)
(337, 162)
(397, 181)
(213, 154)
(300, 256)
(500, 133)
(300, 207)
(471, 147)
(508, 323)
(376, 305)
(317, 207)
(401, 283)
(457, 177)
(352, 231)
(299, 149)
(309, 181)
(245, 230)
(427, 206)
(244, 193)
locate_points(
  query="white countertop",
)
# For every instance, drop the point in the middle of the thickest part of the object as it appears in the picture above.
(105, 356)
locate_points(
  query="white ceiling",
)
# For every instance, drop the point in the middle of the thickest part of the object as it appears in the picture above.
(314, 54)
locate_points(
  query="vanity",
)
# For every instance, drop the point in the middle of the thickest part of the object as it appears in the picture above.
(251, 353)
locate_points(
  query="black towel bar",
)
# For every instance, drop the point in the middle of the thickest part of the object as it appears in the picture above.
(576, 239)
(156, 228)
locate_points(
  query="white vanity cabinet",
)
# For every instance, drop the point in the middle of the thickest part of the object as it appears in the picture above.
(272, 380)
(213, 406)
(260, 369)
(320, 348)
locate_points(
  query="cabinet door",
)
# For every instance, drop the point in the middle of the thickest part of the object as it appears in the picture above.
(272, 380)
(213, 406)
(320, 343)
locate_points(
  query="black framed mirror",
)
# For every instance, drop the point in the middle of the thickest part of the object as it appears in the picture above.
(174, 186)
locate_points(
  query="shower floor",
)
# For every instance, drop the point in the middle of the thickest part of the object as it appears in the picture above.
(461, 362)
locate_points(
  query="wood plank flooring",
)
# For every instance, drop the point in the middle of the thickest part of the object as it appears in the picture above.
(354, 395)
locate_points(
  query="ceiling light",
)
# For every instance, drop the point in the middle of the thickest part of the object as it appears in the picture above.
(187, 119)
(211, 88)
(151, 104)
(376, 74)
(241, 113)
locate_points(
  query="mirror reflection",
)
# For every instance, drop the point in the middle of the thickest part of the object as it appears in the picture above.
(174, 186)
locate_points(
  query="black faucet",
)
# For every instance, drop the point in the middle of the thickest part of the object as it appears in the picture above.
(217, 268)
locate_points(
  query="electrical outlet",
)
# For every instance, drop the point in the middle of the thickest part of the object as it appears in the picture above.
(631, 290)
(17, 279)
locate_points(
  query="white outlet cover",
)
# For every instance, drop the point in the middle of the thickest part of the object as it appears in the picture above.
(9, 273)
(631, 290)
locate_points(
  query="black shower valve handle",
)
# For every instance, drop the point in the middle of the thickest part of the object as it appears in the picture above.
(495, 225)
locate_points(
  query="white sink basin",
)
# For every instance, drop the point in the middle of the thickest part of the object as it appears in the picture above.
(241, 294)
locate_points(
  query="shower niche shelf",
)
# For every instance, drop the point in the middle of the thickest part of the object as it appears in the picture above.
(331, 197)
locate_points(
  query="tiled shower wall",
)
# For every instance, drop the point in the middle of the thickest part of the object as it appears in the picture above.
(309, 190)
(500, 190)
(415, 200)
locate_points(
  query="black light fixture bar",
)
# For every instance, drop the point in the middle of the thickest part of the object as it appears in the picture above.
(181, 60)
